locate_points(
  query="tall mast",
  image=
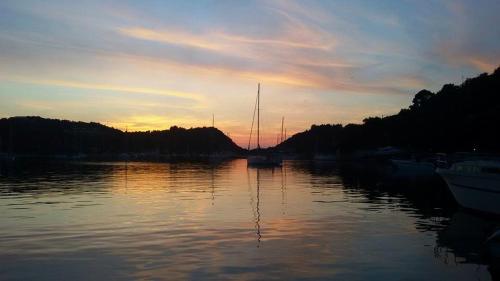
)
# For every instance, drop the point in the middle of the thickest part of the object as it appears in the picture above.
(282, 121)
(258, 116)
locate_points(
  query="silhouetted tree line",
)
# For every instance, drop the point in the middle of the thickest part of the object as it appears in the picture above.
(462, 117)
(39, 136)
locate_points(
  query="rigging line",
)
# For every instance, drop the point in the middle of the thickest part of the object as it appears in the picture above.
(253, 120)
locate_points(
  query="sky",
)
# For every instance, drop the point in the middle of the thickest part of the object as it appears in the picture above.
(149, 65)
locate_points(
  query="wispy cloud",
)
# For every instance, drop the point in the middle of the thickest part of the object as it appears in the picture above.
(171, 37)
(225, 42)
(283, 42)
(152, 58)
(108, 87)
(289, 65)
(484, 64)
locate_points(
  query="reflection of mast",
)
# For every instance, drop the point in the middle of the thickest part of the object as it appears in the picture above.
(213, 187)
(255, 210)
(251, 194)
(283, 188)
(257, 222)
(126, 176)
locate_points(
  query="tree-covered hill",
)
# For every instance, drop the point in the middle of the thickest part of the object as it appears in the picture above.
(40, 136)
(462, 117)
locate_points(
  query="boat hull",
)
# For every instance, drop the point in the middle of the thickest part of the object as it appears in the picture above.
(264, 160)
(408, 169)
(481, 193)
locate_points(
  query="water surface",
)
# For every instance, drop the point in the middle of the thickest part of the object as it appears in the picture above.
(102, 221)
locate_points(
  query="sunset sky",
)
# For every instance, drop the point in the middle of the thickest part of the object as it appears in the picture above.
(146, 65)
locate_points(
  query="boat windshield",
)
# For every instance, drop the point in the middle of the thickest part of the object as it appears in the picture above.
(491, 170)
(476, 168)
(466, 168)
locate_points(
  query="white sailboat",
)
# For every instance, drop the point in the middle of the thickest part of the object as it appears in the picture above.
(475, 184)
(259, 157)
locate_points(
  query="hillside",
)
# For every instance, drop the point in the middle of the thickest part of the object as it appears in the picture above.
(39, 136)
(462, 117)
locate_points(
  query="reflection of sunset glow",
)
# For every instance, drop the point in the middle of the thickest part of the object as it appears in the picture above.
(173, 219)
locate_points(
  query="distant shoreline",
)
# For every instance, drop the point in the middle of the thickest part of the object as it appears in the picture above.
(123, 157)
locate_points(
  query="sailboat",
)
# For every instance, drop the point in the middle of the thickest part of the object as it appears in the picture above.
(259, 157)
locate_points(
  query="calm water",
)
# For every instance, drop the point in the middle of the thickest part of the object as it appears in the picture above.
(226, 221)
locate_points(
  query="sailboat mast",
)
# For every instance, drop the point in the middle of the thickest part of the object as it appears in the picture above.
(282, 122)
(258, 116)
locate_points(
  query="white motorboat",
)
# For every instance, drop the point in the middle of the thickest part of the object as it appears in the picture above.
(493, 245)
(475, 184)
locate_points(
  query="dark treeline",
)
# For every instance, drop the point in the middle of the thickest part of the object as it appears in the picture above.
(456, 118)
(39, 136)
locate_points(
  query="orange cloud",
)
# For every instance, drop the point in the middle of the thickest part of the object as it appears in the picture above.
(223, 42)
(483, 64)
(170, 37)
(291, 65)
(149, 122)
(453, 55)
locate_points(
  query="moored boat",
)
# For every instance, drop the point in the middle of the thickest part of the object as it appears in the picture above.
(475, 184)
(264, 160)
(325, 157)
(493, 245)
(260, 158)
(412, 168)
(7, 157)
